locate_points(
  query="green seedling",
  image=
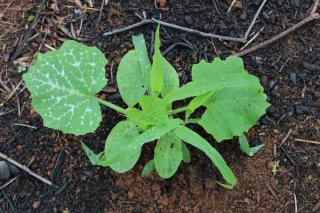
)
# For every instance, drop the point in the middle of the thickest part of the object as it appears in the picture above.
(63, 84)
(275, 167)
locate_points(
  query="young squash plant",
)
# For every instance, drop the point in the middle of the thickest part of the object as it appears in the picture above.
(63, 84)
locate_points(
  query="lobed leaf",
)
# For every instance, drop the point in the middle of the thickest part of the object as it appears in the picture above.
(192, 138)
(62, 85)
(234, 99)
(168, 155)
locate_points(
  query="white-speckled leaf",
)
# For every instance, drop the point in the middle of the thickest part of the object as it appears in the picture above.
(122, 136)
(62, 85)
(168, 155)
(130, 79)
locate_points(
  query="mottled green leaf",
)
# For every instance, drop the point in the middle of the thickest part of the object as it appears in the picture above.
(164, 77)
(245, 147)
(130, 79)
(120, 137)
(192, 138)
(186, 156)
(62, 85)
(168, 155)
(230, 112)
(148, 169)
(214, 79)
(157, 76)
(171, 79)
(142, 57)
(151, 134)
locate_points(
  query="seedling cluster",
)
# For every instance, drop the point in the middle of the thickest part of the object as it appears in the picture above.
(63, 84)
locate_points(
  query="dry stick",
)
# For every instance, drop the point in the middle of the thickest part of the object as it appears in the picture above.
(254, 19)
(26, 169)
(285, 138)
(28, 34)
(143, 22)
(310, 18)
(209, 35)
(307, 141)
(189, 30)
(231, 5)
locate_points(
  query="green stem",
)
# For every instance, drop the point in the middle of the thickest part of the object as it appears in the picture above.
(192, 121)
(112, 106)
(176, 111)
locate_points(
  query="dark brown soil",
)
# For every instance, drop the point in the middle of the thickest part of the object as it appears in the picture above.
(293, 91)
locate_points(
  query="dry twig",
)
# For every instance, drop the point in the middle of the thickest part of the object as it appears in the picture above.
(26, 169)
(307, 141)
(313, 16)
(189, 30)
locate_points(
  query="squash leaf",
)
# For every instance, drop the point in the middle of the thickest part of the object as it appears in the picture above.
(62, 85)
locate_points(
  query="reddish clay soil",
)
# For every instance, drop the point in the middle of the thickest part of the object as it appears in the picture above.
(289, 70)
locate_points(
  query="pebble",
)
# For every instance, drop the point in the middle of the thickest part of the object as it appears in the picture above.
(257, 2)
(13, 170)
(300, 109)
(293, 78)
(36, 204)
(4, 170)
(6, 57)
(317, 94)
(310, 66)
(272, 84)
(295, 3)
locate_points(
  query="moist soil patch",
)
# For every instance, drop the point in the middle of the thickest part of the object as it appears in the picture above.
(289, 70)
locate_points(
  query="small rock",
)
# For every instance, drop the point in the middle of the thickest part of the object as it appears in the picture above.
(303, 76)
(310, 66)
(300, 109)
(78, 12)
(243, 16)
(293, 78)
(295, 3)
(130, 195)
(6, 57)
(256, 2)
(4, 170)
(272, 84)
(317, 94)
(13, 170)
(264, 80)
(36, 204)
